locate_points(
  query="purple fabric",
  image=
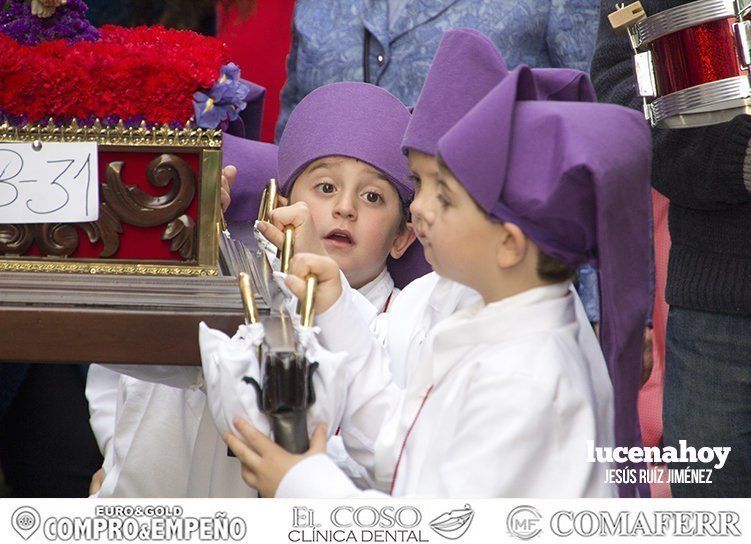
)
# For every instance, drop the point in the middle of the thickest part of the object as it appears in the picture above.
(356, 120)
(466, 66)
(256, 164)
(575, 178)
(248, 125)
(563, 84)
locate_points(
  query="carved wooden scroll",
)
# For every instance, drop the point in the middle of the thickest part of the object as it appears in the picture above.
(120, 203)
(15, 239)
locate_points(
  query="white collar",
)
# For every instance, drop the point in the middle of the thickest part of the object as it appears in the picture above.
(539, 309)
(378, 290)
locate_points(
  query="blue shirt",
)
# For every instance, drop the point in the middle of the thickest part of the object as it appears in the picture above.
(329, 39)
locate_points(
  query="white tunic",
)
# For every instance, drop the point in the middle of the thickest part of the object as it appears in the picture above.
(501, 404)
(160, 441)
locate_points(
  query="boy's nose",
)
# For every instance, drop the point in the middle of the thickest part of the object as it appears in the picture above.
(420, 212)
(344, 206)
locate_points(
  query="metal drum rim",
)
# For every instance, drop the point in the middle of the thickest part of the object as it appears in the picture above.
(681, 17)
(699, 96)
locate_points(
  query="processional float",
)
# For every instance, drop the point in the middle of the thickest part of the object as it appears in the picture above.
(113, 246)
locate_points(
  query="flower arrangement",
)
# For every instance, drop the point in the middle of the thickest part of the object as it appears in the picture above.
(68, 23)
(59, 68)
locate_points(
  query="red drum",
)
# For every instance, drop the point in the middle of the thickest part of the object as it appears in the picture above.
(691, 61)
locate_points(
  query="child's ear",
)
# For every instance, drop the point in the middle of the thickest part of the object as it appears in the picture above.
(402, 242)
(512, 245)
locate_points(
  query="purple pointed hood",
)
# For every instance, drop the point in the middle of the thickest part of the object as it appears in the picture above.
(575, 177)
(466, 66)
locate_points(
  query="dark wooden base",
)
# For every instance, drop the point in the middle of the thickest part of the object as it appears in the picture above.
(106, 336)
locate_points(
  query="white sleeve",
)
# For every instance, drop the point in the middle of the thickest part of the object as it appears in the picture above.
(181, 377)
(101, 392)
(370, 393)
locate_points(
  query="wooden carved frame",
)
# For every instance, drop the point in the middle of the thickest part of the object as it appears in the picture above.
(128, 204)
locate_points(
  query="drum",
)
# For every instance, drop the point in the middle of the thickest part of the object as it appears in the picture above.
(691, 61)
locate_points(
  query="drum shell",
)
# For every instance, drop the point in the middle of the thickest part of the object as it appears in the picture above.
(700, 54)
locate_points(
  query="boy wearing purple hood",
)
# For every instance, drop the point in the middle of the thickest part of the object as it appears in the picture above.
(347, 182)
(506, 393)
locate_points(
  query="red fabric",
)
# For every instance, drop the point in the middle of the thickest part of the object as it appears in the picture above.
(136, 242)
(259, 46)
(650, 395)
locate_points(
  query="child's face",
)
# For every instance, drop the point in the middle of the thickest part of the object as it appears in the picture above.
(455, 233)
(357, 213)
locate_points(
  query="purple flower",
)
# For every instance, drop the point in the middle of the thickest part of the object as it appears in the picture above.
(207, 112)
(68, 23)
(224, 101)
(230, 71)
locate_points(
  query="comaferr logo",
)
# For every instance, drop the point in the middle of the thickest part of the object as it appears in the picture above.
(661, 523)
(525, 523)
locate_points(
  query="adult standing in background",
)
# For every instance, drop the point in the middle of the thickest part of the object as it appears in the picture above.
(706, 174)
(391, 43)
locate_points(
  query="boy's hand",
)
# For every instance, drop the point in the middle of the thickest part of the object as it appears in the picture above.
(229, 174)
(298, 215)
(327, 272)
(265, 463)
(96, 481)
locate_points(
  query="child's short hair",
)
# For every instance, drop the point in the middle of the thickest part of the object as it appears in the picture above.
(553, 270)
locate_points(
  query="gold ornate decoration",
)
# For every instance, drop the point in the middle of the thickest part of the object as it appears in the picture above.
(118, 135)
(96, 267)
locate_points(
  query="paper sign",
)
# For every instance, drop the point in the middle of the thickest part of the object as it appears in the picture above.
(49, 183)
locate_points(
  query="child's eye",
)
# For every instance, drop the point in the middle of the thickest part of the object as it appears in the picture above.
(372, 197)
(443, 201)
(415, 181)
(325, 187)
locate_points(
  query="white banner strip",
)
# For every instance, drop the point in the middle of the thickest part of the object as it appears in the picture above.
(270, 521)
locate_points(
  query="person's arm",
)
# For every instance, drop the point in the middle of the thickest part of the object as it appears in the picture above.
(290, 96)
(571, 32)
(700, 168)
(514, 439)
(371, 394)
(181, 377)
(370, 399)
(101, 394)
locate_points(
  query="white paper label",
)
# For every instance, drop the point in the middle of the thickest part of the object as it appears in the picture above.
(58, 183)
